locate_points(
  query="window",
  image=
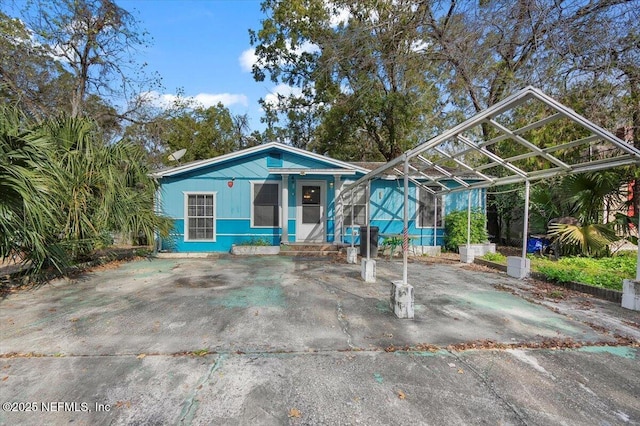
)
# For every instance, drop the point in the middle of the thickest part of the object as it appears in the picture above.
(428, 206)
(200, 216)
(359, 208)
(265, 211)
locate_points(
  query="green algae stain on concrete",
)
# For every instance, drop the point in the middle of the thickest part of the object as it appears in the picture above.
(621, 351)
(149, 268)
(383, 306)
(263, 296)
(520, 309)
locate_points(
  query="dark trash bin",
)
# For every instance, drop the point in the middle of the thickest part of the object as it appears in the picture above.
(374, 241)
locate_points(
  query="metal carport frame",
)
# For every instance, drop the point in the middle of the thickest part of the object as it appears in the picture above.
(531, 120)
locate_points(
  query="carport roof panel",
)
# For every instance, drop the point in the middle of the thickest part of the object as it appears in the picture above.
(546, 138)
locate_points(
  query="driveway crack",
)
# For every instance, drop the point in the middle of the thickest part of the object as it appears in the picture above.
(491, 389)
(190, 406)
(344, 325)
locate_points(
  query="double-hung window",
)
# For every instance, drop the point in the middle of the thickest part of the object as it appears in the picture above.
(429, 209)
(200, 216)
(358, 205)
(265, 206)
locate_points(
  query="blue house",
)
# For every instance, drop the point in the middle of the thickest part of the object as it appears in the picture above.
(282, 194)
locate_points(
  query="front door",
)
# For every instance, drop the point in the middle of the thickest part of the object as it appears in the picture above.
(310, 217)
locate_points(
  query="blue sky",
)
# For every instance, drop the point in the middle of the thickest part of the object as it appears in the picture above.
(203, 47)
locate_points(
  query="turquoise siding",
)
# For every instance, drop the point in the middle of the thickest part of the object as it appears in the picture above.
(233, 204)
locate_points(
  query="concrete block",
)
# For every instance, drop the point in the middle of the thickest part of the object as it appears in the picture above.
(426, 250)
(368, 272)
(352, 255)
(401, 299)
(466, 255)
(631, 295)
(518, 267)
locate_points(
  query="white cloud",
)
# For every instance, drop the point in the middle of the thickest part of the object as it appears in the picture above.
(209, 99)
(339, 14)
(307, 47)
(419, 46)
(281, 89)
(206, 100)
(247, 59)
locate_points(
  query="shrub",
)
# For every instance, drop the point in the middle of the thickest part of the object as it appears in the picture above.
(495, 257)
(261, 242)
(606, 272)
(456, 229)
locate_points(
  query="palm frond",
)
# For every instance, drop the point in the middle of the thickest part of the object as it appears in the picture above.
(589, 239)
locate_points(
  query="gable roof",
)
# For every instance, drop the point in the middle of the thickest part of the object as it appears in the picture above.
(194, 165)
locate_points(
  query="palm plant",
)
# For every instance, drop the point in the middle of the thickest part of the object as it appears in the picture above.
(589, 240)
(107, 189)
(63, 190)
(29, 194)
(583, 197)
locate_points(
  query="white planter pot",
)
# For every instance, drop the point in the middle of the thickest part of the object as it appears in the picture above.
(478, 250)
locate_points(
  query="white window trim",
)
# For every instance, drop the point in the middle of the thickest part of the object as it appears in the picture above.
(253, 183)
(186, 215)
(417, 216)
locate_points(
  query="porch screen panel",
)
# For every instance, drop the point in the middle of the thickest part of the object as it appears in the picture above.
(200, 217)
(359, 208)
(266, 205)
(427, 204)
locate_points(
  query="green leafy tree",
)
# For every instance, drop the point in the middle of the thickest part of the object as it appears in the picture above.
(203, 132)
(30, 78)
(95, 43)
(366, 75)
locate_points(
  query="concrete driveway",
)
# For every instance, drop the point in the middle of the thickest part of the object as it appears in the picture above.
(277, 340)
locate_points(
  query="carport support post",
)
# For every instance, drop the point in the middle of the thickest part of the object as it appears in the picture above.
(638, 264)
(466, 252)
(284, 239)
(435, 219)
(401, 291)
(352, 252)
(519, 267)
(368, 272)
(338, 210)
(631, 288)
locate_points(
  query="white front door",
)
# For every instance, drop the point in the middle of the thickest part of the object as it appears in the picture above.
(310, 211)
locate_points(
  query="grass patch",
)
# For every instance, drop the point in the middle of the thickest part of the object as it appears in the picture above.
(495, 257)
(607, 272)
